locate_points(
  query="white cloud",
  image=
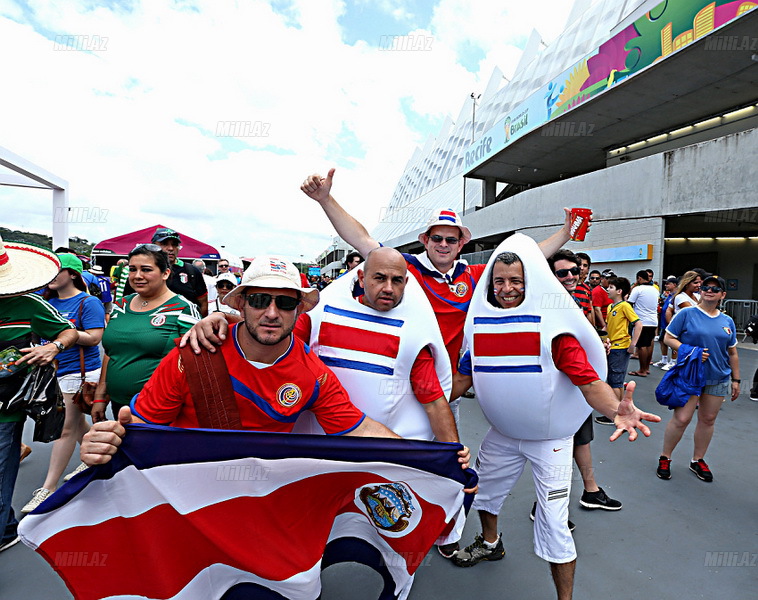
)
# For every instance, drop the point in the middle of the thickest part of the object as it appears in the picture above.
(125, 125)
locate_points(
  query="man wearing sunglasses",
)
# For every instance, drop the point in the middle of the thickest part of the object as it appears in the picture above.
(447, 282)
(276, 377)
(566, 267)
(225, 283)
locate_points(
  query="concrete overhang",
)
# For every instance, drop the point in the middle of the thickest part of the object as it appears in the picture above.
(694, 84)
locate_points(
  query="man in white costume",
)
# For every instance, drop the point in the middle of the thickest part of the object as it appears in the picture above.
(538, 374)
(376, 330)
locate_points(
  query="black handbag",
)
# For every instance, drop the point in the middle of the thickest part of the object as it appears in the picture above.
(42, 400)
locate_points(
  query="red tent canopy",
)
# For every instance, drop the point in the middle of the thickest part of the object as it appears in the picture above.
(122, 245)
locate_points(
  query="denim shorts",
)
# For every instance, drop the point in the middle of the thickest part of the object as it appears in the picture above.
(718, 389)
(618, 361)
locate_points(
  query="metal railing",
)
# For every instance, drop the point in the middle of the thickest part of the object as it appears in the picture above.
(741, 311)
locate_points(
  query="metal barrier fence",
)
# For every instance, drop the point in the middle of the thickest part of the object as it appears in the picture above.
(741, 311)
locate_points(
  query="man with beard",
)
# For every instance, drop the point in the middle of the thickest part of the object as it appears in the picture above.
(276, 376)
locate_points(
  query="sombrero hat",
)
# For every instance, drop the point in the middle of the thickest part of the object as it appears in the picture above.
(25, 268)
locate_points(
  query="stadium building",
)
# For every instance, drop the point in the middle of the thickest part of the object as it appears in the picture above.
(644, 111)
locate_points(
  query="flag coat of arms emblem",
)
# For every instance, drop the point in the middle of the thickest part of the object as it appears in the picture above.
(188, 513)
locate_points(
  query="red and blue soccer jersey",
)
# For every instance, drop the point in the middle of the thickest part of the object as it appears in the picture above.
(450, 301)
(269, 399)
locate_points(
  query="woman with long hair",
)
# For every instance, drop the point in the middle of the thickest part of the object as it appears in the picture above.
(706, 327)
(687, 294)
(154, 316)
(68, 294)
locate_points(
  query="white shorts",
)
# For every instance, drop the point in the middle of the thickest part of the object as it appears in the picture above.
(501, 461)
(70, 383)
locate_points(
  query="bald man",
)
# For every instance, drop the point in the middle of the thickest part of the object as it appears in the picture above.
(378, 333)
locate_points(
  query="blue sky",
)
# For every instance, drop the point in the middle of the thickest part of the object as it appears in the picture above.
(132, 122)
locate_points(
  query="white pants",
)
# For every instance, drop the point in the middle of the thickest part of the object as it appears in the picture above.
(501, 461)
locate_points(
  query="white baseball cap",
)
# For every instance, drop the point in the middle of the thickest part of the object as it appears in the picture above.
(446, 216)
(277, 273)
(227, 277)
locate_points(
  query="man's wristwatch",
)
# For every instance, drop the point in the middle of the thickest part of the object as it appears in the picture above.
(59, 345)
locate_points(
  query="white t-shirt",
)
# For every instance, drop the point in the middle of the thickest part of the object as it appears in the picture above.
(645, 301)
(681, 299)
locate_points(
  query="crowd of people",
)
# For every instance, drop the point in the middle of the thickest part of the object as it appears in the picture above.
(385, 349)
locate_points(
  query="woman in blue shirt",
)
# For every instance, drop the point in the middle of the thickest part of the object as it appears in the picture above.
(706, 327)
(67, 292)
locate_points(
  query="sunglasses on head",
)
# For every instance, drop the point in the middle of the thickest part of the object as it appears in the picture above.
(149, 247)
(564, 272)
(261, 300)
(711, 288)
(438, 239)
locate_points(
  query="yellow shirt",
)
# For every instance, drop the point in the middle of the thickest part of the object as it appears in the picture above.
(620, 317)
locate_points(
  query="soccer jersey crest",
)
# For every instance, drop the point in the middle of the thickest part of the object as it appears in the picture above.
(459, 289)
(288, 395)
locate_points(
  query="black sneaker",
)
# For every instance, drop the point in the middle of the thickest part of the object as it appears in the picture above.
(534, 510)
(603, 420)
(599, 499)
(478, 552)
(701, 469)
(664, 468)
(448, 550)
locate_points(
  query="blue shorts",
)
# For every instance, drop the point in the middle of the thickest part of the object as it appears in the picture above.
(718, 389)
(618, 361)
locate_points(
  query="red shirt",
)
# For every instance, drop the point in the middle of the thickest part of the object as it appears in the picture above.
(600, 299)
(583, 295)
(570, 358)
(450, 301)
(269, 399)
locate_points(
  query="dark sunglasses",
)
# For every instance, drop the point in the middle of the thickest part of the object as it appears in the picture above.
(225, 286)
(564, 272)
(438, 239)
(223, 266)
(261, 300)
(711, 288)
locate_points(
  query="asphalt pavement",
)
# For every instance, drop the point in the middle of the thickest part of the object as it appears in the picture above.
(675, 539)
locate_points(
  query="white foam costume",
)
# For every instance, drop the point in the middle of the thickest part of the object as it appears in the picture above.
(533, 408)
(519, 389)
(373, 352)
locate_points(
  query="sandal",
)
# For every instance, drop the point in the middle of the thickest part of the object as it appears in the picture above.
(637, 374)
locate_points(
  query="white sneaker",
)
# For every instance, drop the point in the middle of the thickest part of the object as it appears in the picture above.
(9, 544)
(668, 366)
(38, 497)
(661, 363)
(79, 469)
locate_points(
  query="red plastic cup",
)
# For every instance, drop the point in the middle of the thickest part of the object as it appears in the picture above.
(580, 222)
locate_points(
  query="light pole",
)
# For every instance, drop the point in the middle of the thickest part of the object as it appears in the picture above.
(474, 98)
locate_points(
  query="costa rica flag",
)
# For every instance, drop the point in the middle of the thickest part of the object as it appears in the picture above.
(190, 513)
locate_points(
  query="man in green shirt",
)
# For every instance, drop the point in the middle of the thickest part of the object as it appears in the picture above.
(23, 269)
